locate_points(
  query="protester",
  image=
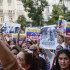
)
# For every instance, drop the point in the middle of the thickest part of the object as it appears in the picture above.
(60, 41)
(28, 60)
(9, 62)
(62, 60)
(28, 54)
(58, 48)
(41, 60)
(52, 56)
(24, 46)
(15, 50)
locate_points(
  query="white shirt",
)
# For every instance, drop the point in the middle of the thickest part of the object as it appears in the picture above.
(63, 45)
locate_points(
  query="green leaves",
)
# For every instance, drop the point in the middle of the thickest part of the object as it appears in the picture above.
(22, 20)
(57, 10)
(35, 9)
(67, 16)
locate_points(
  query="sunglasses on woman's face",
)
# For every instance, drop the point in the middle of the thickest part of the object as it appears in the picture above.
(33, 49)
(58, 49)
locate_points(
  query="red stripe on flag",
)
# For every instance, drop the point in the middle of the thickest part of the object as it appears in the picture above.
(68, 33)
(59, 25)
(33, 37)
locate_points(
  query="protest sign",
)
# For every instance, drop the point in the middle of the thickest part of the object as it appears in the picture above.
(14, 37)
(10, 27)
(48, 38)
(33, 33)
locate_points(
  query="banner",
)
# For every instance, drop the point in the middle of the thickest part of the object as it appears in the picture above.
(10, 28)
(14, 37)
(68, 29)
(61, 24)
(48, 38)
(60, 21)
(33, 33)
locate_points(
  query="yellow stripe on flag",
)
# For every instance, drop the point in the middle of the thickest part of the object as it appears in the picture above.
(67, 24)
(14, 36)
(33, 30)
(21, 36)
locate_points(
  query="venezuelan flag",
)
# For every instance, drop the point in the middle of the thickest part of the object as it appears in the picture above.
(14, 37)
(33, 33)
(68, 28)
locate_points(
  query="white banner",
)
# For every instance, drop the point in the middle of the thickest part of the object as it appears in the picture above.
(10, 27)
(48, 38)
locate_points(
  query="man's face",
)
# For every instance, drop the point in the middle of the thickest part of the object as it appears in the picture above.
(59, 40)
(34, 49)
(24, 46)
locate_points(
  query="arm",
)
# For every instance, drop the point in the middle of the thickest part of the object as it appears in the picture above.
(49, 53)
(17, 41)
(4, 40)
(8, 61)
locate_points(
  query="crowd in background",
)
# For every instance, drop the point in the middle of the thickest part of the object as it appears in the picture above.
(26, 54)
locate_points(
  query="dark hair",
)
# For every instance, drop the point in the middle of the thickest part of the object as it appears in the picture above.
(65, 51)
(62, 37)
(13, 42)
(16, 48)
(60, 46)
(31, 60)
(29, 42)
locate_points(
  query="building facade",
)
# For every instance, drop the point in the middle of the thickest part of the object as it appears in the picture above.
(10, 10)
(48, 10)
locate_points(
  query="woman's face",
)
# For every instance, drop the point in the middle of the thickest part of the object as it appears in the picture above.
(15, 52)
(21, 59)
(64, 61)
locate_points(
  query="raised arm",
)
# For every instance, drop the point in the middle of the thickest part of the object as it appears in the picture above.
(8, 61)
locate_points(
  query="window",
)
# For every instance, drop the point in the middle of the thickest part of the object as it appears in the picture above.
(10, 11)
(18, 0)
(1, 1)
(9, 1)
(2, 19)
(1, 12)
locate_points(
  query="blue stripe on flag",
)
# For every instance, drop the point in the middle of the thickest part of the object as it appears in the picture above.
(68, 29)
(32, 33)
(14, 39)
(59, 21)
(19, 39)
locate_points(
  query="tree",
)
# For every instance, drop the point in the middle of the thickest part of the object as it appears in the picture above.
(64, 8)
(67, 16)
(22, 20)
(35, 9)
(57, 10)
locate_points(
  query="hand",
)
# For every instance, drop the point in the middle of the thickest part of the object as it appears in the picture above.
(40, 32)
(44, 52)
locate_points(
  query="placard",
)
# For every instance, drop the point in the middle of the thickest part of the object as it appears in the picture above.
(48, 38)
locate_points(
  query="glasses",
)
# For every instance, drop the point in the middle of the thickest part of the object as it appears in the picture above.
(33, 49)
(58, 49)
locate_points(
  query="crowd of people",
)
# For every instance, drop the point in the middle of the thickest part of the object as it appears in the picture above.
(27, 55)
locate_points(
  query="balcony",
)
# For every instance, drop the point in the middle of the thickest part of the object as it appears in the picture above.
(1, 12)
(11, 12)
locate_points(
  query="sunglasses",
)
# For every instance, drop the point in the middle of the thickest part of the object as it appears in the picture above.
(58, 49)
(33, 49)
